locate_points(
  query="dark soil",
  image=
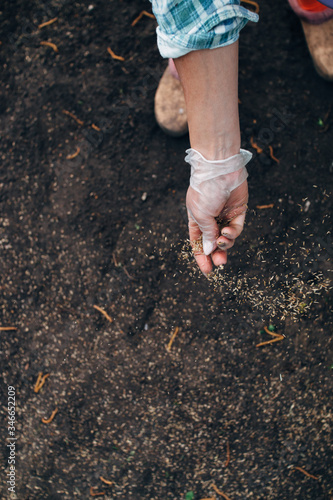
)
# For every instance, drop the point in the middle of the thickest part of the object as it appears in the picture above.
(106, 228)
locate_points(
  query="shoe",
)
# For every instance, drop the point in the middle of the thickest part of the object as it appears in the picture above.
(170, 109)
(317, 23)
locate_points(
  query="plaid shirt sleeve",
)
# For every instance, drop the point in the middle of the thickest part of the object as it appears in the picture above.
(189, 25)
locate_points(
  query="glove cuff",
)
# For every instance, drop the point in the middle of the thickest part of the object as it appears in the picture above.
(204, 170)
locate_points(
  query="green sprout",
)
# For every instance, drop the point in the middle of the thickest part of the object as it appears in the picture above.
(189, 495)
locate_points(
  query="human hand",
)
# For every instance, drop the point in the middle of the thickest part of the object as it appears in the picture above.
(217, 198)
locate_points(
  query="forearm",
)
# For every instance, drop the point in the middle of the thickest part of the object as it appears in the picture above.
(210, 82)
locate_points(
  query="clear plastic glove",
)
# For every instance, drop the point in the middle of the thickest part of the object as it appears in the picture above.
(218, 190)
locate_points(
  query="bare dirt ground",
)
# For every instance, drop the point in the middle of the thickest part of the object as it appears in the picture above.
(92, 214)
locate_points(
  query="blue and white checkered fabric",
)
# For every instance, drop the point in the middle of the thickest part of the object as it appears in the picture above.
(189, 25)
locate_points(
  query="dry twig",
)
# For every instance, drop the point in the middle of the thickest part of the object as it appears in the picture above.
(113, 55)
(128, 274)
(105, 481)
(251, 2)
(47, 23)
(261, 207)
(272, 155)
(114, 259)
(96, 493)
(277, 338)
(306, 473)
(255, 146)
(68, 113)
(227, 462)
(50, 44)
(219, 492)
(40, 381)
(140, 16)
(74, 155)
(49, 420)
(172, 338)
(103, 312)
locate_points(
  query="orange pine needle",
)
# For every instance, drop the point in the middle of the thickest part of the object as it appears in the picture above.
(50, 44)
(228, 455)
(68, 113)
(255, 146)
(95, 127)
(251, 2)
(40, 381)
(49, 420)
(47, 23)
(140, 16)
(172, 338)
(74, 155)
(114, 56)
(103, 312)
(261, 207)
(105, 480)
(306, 473)
(96, 493)
(277, 338)
(271, 154)
(7, 328)
(219, 492)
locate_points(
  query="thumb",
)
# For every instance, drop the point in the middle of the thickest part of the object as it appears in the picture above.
(210, 233)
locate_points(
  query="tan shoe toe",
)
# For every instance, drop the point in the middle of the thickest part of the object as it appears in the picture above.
(170, 109)
(319, 38)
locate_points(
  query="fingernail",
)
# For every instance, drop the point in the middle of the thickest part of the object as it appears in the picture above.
(226, 235)
(222, 245)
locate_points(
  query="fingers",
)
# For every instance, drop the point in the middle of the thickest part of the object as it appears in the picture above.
(204, 262)
(219, 258)
(226, 241)
(233, 229)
